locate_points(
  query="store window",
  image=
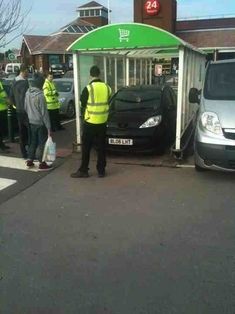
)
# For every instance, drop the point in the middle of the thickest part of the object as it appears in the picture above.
(54, 59)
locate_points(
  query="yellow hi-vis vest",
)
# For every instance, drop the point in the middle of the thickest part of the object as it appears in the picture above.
(3, 98)
(97, 108)
(50, 94)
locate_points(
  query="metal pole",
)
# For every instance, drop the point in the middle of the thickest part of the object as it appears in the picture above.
(180, 98)
(77, 145)
(127, 72)
(116, 80)
(105, 69)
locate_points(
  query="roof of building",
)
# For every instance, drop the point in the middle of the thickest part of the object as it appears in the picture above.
(49, 44)
(208, 33)
(209, 39)
(92, 4)
(79, 26)
(216, 23)
(60, 40)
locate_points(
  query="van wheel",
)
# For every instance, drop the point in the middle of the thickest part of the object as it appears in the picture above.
(199, 169)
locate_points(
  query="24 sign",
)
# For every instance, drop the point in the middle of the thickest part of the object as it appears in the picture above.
(152, 7)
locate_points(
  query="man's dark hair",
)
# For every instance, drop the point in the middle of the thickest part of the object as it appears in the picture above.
(94, 71)
(37, 80)
(23, 67)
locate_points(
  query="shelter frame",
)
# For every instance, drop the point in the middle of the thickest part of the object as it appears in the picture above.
(141, 51)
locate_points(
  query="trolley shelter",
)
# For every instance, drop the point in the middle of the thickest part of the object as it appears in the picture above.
(125, 54)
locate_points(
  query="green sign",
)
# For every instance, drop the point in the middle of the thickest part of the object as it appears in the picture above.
(11, 57)
(126, 36)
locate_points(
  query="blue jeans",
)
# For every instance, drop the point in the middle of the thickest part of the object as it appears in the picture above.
(38, 138)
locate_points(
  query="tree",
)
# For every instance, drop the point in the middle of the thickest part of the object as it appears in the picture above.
(12, 21)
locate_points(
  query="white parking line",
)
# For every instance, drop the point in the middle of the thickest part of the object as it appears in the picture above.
(66, 122)
(4, 183)
(185, 166)
(16, 163)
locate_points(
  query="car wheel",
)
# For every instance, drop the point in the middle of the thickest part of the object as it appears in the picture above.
(70, 113)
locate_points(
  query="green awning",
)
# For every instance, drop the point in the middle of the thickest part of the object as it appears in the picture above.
(126, 36)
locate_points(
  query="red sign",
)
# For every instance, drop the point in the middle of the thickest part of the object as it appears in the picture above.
(152, 7)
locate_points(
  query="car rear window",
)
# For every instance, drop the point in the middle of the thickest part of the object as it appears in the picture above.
(220, 81)
(130, 99)
(63, 87)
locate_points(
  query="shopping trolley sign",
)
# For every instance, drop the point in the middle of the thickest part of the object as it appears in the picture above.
(152, 7)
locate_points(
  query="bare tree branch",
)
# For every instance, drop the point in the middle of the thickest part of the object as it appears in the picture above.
(12, 21)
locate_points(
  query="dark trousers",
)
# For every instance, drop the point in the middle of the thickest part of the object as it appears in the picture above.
(38, 138)
(54, 119)
(91, 133)
(24, 133)
(3, 122)
(3, 125)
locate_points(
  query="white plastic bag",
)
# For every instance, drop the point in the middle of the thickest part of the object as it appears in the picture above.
(49, 153)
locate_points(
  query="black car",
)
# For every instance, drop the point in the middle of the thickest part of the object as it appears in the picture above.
(142, 118)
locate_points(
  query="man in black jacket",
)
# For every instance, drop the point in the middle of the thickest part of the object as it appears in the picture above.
(17, 98)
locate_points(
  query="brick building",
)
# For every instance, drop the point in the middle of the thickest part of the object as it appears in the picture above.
(42, 51)
(216, 36)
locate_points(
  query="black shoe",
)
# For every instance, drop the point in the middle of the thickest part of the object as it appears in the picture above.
(79, 174)
(101, 174)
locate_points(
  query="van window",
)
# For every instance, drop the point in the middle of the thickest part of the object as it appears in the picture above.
(220, 81)
(16, 68)
(9, 68)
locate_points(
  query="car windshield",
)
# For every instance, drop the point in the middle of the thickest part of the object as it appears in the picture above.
(220, 81)
(63, 86)
(136, 99)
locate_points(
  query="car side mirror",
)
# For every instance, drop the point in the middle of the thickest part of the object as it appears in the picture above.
(194, 94)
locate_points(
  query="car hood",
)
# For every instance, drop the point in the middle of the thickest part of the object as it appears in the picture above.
(130, 119)
(225, 109)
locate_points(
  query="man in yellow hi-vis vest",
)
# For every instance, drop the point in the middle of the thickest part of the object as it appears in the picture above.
(3, 116)
(52, 101)
(95, 110)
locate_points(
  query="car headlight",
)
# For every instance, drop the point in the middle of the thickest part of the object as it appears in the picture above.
(62, 100)
(210, 122)
(151, 122)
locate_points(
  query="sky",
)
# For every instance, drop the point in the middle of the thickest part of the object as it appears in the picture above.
(47, 16)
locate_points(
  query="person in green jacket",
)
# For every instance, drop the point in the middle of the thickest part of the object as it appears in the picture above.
(3, 116)
(52, 101)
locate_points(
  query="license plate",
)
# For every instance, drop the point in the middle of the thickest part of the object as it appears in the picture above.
(120, 141)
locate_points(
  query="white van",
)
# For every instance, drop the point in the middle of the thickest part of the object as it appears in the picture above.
(214, 144)
(12, 68)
